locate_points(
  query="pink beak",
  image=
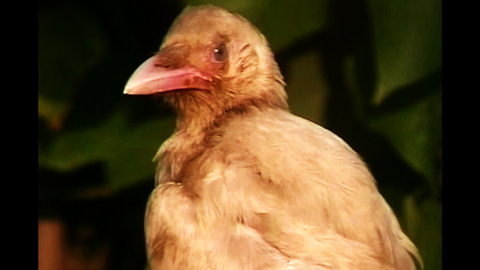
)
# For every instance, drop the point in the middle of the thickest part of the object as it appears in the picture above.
(150, 78)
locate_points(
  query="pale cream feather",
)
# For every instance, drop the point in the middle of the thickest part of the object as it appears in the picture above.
(278, 192)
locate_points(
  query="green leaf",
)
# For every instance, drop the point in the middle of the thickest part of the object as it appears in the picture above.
(407, 99)
(414, 130)
(408, 42)
(127, 151)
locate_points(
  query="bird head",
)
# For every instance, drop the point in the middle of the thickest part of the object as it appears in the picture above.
(211, 61)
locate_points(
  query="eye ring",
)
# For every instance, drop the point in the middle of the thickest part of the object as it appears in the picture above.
(220, 53)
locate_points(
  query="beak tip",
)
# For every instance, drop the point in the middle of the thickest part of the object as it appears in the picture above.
(128, 88)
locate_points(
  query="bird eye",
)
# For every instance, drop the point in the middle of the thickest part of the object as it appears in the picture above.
(220, 53)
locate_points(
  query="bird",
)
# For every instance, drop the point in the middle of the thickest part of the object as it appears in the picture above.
(243, 183)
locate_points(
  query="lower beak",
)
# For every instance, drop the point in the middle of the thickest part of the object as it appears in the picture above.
(151, 78)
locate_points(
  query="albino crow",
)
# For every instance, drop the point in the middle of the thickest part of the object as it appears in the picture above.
(243, 183)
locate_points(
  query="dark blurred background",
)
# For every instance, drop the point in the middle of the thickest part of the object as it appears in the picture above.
(370, 71)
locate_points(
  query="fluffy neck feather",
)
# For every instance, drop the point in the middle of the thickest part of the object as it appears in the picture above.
(200, 124)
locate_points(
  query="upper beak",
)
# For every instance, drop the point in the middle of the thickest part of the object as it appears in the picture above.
(150, 78)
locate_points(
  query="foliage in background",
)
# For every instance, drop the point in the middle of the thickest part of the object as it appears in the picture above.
(368, 70)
